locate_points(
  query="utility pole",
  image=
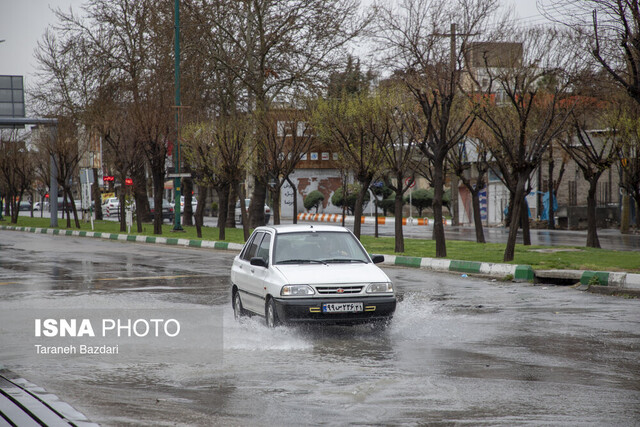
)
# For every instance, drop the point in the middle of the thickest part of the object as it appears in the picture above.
(453, 58)
(176, 146)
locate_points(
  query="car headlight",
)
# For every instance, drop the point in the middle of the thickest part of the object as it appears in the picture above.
(378, 288)
(296, 290)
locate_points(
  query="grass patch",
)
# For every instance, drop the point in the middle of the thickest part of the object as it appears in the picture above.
(581, 259)
(234, 235)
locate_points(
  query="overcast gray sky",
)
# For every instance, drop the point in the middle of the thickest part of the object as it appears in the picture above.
(22, 23)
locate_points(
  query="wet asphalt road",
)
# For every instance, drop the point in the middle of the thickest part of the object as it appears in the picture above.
(459, 350)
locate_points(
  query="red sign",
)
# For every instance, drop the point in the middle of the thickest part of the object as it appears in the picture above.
(108, 178)
(128, 181)
(410, 180)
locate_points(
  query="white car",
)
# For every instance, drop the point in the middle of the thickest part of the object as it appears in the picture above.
(111, 206)
(194, 204)
(310, 273)
(247, 202)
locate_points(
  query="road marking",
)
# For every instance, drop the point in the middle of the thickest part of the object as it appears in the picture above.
(9, 283)
(150, 277)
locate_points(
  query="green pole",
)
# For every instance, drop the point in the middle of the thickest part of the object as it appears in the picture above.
(176, 145)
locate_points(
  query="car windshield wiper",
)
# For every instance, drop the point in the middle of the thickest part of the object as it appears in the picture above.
(301, 261)
(344, 260)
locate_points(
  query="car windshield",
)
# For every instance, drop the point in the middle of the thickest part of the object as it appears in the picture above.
(318, 247)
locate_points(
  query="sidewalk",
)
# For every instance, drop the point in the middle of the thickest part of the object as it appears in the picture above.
(603, 281)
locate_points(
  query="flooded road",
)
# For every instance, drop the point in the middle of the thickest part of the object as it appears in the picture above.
(460, 350)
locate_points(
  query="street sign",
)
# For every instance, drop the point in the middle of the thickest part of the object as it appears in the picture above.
(12, 97)
(178, 175)
(408, 180)
(86, 176)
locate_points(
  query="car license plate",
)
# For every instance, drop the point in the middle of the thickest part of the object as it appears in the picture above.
(342, 307)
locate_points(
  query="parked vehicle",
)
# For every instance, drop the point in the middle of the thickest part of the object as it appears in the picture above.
(194, 204)
(310, 273)
(24, 206)
(111, 207)
(167, 209)
(247, 202)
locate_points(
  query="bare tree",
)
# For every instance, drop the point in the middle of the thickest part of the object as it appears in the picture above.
(16, 170)
(473, 174)
(400, 151)
(277, 48)
(628, 133)
(287, 135)
(412, 37)
(608, 29)
(218, 152)
(523, 105)
(593, 142)
(129, 46)
(352, 125)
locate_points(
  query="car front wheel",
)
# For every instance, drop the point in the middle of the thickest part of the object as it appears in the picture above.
(271, 315)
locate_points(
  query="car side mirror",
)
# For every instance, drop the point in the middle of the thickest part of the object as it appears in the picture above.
(259, 262)
(377, 259)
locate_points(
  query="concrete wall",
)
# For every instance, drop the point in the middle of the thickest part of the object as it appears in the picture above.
(327, 181)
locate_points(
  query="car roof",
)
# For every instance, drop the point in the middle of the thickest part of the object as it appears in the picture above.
(297, 228)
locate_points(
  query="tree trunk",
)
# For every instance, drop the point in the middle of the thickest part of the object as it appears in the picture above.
(438, 191)
(453, 203)
(551, 224)
(344, 199)
(477, 219)
(295, 200)
(524, 218)
(158, 184)
(121, 211)
(256, 208)
(637, 199)
(187, 210)
(276, 204)
(97, 196)
(223, 203)
(592, 230)
(140, 194)
(202, 192)
(515, 209)
(73, 209)
(357, 209)
(375, 205)
(230, 207)
(625, 215)
(397, 209)
(14, 209)
(243, 212)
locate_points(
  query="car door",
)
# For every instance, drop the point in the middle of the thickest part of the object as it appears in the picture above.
(245, 276)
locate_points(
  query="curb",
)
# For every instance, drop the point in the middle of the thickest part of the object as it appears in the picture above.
(517, 272)
(130, 238)
(499, 271)
(616, 279)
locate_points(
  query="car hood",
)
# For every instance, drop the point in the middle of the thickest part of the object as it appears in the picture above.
(313, 274)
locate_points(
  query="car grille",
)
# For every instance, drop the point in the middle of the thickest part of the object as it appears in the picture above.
(339, 290)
